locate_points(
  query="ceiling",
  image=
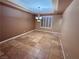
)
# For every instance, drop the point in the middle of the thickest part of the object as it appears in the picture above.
(46, 6)
(62, 5)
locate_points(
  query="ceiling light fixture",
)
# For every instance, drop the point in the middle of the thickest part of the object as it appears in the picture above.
(38, 15)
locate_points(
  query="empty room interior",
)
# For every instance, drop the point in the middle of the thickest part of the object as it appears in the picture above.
(39, 29)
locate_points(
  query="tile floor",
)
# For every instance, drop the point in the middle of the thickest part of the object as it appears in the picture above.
(35, 45)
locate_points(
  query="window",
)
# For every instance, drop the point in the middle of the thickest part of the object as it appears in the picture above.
(46, 22)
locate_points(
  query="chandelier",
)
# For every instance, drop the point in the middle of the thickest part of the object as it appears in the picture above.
(38, 17)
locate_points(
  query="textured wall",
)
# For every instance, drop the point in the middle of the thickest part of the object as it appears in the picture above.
(70, 31)
(14, 22)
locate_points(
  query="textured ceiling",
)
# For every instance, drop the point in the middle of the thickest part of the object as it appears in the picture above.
(46, 6)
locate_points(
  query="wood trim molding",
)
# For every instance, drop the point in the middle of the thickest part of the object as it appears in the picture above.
(49, 14)
(63, 52)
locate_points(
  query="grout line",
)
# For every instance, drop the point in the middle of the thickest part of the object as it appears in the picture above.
(16, 36)
(60, 41)
(62, 49)
(30, 32)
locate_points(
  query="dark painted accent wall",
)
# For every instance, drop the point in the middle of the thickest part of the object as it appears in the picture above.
(14, 21)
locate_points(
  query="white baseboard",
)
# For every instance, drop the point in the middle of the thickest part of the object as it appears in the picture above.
(62, 49)
(16, 36)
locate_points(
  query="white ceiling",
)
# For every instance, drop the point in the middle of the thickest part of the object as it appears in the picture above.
(46, 6)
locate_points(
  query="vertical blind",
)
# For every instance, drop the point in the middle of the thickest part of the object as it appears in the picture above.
(46, 21)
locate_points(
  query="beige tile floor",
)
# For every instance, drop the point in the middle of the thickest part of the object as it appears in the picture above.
(35, 45)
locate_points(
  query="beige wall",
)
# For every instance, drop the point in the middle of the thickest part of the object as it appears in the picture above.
(14, 22)
(37, 24)
(70, 31)
(57, 23)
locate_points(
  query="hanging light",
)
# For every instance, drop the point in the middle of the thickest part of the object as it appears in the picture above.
(38, 16)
